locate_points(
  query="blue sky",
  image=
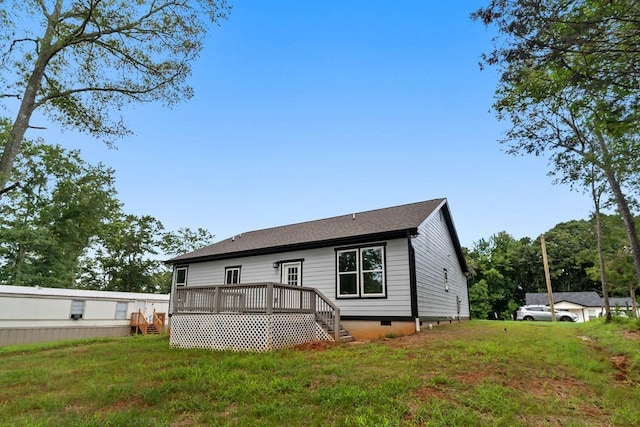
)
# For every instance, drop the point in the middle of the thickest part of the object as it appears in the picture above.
(306, 110)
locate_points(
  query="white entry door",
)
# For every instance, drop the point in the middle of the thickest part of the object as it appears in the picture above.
(292, 273)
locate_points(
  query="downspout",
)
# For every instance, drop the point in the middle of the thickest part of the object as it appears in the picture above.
(413, 288)
(172, 291)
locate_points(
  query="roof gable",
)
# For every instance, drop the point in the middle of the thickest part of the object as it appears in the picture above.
(379, 223)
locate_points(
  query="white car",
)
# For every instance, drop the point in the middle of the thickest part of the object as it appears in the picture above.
(542, 312)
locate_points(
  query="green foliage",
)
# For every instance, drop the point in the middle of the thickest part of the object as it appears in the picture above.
(568, 91)
(185, 240)
(63, 226)
(505, 269)
(47, 224)
(80, 63)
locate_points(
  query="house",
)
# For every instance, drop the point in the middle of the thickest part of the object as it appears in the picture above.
(379, 272)
(587, 305)
(37, 314)
(623, 304)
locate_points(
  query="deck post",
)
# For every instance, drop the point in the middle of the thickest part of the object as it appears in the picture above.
(269, 297)
(312, 303)
(336, 325)
(218, 299)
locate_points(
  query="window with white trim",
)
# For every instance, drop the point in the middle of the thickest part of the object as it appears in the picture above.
(181, 276)
(121, 310)
(231, 275)
(361, 272)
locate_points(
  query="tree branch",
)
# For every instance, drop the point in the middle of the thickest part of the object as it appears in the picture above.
(9, 188)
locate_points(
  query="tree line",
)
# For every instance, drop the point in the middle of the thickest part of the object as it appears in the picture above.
(504, 268)
(63, 226)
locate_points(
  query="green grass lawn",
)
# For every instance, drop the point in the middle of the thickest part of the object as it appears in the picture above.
(471, 374)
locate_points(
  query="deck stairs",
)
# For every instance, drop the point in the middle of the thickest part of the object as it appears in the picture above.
(152, 329)
(345, 336)
(140, 325)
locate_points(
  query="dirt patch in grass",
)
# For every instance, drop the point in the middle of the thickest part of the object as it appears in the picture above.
(439, 332)
(632, 335)
(621, 364)
(315, 346)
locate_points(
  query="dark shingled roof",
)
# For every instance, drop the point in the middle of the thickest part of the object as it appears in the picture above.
(585, 299)
(379, 223)
(621, 302)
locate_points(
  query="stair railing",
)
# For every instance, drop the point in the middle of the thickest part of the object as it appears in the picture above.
(327, 314)
(158, 321)
(140, 322)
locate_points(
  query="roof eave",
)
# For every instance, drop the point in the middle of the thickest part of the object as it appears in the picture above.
(342, 241)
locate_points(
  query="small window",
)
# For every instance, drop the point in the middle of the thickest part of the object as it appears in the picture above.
(181, 276)
(231, 275)
(77, 309)
(121, 310)
(446, 280)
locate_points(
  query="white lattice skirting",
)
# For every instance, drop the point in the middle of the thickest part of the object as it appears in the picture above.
(244, 332)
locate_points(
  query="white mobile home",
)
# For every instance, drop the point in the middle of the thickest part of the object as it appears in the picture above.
(35, 314)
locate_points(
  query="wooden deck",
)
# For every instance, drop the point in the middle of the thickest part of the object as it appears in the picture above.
(140, 325)
(259, 298)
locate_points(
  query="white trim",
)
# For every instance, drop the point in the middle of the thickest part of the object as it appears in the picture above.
(284, 273)
(231, 270)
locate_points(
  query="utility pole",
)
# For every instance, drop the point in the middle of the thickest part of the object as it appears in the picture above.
(545, 262)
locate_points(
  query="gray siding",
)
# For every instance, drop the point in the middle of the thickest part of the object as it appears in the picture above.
(319, 271)
(434, 252)
(15, 336)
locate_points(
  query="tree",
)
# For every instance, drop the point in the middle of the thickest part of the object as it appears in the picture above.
(570, 86)
(503, 271)
(47, 225)
(185, 240)
(124, 258)
(79, 62)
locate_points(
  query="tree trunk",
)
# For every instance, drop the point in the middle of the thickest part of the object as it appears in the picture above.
(625, 213)
(603, 276)
(28, 104)
(630, 225)
(634, 303)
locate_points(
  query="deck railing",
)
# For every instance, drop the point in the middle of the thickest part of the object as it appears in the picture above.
(141, 324)
(258, 298)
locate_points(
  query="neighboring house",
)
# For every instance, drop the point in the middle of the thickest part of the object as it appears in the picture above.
(383, 272)
(587, 305)
(624, 304)
(36, 314)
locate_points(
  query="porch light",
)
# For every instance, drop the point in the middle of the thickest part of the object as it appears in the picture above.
(276, 264)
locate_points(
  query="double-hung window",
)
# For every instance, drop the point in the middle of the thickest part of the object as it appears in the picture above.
(121, 310)
(231, 275)
(361, 272)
